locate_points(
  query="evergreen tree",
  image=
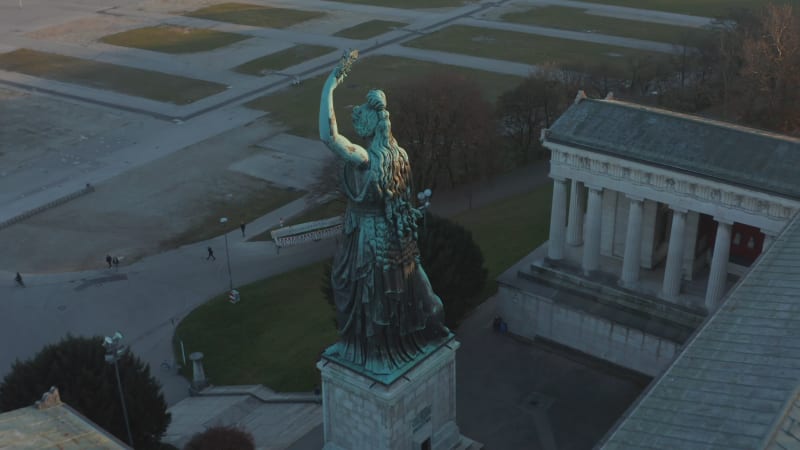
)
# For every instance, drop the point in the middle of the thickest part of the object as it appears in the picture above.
(221, 438)
(77, 367)
(453, 262)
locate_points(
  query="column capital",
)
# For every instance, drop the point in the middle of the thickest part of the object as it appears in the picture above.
(557, 177)
(723, 220)
(678, 209)
(593, 187)
(634, 198)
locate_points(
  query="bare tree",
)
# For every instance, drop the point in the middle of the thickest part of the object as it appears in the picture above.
(446, 126)
(770, 72)
(534, 104)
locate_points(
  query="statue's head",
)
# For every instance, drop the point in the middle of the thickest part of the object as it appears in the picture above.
(369, 116)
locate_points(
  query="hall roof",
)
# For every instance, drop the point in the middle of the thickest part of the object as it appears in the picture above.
(722, 151)
(735, 385)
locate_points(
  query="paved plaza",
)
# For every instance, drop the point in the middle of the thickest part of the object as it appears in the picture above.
(155, 166)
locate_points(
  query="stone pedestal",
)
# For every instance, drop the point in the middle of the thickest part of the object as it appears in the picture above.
(414, 408)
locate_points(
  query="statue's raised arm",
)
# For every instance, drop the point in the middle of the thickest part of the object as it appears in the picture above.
(328, 131)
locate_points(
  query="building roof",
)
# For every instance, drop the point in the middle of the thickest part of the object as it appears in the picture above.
(54, 427)
(735, 385)
(733, 154)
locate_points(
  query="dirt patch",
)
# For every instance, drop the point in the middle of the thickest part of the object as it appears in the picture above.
(134, 213)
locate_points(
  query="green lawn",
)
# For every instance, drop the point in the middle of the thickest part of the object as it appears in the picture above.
(282, 59)
(172, 39)
(508, 230)
(254, 15)
(410, 4)
(369, 29)
(298, 107)
(275, 334)
(245, 207)
(705, 8)
(125, 80)
(326, 210)
(578, 20)
(528, 48)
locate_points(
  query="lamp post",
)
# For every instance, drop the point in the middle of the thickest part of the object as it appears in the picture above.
(424, 198)
(223, 220)
(114, 349)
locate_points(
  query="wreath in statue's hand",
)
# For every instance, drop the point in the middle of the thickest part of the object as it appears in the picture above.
(348, 58)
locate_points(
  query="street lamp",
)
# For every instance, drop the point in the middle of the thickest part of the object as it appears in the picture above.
(424, 198)
(223, 220)
(114, 349)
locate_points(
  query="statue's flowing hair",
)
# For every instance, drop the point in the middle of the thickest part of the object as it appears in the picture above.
(392, 169)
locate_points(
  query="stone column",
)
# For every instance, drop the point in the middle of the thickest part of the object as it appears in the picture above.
(633, 244)
(672, 271)
(718, 274)
(591, 248)
(575, 224)
(555, 246)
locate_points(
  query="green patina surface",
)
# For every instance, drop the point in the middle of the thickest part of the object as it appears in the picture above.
(332, 353)
(125, 80)
(389, 317)
(577, 19)
(172, 39)
(282, 59)
(369, 29)
(255, 15)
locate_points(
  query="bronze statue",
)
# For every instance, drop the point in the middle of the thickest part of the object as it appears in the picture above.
(387, 310)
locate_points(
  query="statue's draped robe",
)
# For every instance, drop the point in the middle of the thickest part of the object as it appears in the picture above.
(387, 310)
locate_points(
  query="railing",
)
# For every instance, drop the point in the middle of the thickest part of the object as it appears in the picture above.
(307, 232)
(57, 202)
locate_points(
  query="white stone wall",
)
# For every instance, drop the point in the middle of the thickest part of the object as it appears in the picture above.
(529, 315)
(360, 414)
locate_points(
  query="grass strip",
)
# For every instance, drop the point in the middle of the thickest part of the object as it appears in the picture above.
(124, 80)
(282, 59)
(172, 39)
(703, 8)
(254, 15)
(410, 4)
(529, 48)
(577, 19)
(369, 29)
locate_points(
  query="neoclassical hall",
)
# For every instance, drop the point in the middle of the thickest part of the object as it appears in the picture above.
(655, 216)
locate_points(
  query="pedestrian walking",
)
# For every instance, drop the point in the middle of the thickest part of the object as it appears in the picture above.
(108, 260)
(211, 255)
(242, 226)
(115, 261)
(18, 279)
